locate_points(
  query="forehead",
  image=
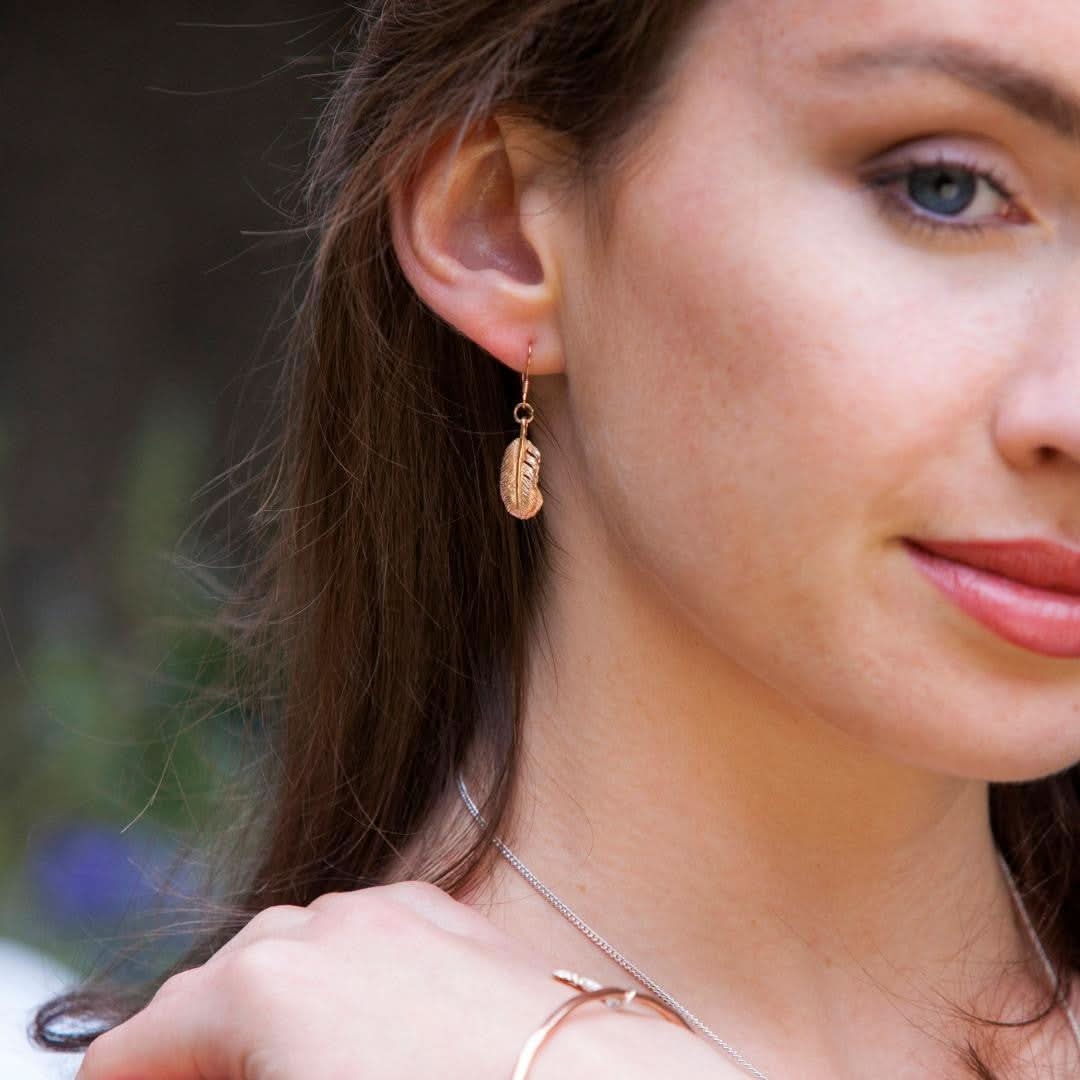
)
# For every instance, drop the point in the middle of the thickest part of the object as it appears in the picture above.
(803, 67)
(795, 34)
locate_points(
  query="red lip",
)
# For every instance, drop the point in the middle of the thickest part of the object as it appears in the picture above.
(1026, 591)
(1042, 563)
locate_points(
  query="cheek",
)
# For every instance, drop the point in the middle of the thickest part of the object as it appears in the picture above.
(762, 420)
(777, 402)
(753, 412)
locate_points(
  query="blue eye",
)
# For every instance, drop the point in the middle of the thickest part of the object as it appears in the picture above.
(942, 189)
(946, 196)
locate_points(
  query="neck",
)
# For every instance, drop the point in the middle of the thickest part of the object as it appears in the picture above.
(788, 884)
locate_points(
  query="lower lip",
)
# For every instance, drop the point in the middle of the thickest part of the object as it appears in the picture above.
(1044, 621)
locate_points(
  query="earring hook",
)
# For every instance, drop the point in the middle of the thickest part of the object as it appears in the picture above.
(525, 374)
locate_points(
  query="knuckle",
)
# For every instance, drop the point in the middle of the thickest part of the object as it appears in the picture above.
(331, 903)
(176, 984)
(419, 898)
(370, 911)
(251, 970)
(278, 917)
(277, 921)
(276, 913)
(425, 890)
(343, 904)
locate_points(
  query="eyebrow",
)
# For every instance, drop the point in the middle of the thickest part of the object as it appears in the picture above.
(1041, 99)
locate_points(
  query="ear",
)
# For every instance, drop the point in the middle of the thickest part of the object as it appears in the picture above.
(476, 233)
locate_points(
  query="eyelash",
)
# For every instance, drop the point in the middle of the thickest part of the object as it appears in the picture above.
(897, 204)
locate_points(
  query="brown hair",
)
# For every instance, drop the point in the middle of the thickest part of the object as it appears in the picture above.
(383, 632)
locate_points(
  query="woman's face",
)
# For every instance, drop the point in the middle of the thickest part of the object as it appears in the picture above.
(840, 307)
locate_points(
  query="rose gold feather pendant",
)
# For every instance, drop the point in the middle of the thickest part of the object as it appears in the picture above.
(519, 480)
(519, 477)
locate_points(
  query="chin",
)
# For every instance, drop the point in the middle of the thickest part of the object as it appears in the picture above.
(985, 753)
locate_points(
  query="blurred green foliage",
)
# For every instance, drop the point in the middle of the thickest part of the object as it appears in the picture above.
(110, 758)
(151, 155)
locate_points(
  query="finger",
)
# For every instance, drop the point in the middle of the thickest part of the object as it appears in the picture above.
(419, 897)
(281, 920)
(176, 1037)
(208, 1023)
(431, 903)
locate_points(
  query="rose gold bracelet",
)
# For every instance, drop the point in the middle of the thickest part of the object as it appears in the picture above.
(615, 997)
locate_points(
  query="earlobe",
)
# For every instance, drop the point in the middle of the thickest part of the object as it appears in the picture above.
(471, 254)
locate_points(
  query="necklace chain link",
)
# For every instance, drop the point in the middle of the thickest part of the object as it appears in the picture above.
(687, 1015)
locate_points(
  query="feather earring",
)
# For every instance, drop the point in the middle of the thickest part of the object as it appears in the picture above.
(519, 477)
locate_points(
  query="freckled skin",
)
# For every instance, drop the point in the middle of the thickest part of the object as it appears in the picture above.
(773, 382)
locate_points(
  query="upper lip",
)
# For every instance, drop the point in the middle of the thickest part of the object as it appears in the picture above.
(1045, 564)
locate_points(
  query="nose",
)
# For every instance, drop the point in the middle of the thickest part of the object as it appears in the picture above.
(1037, 421)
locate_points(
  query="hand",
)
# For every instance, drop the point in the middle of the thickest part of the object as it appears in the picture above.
(386, 983)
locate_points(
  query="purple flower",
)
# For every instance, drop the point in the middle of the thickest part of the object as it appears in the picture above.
(84, 873)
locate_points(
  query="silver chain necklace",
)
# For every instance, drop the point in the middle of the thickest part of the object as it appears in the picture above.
(687, 1015)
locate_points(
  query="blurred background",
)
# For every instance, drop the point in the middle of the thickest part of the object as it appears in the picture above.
(147, 152)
